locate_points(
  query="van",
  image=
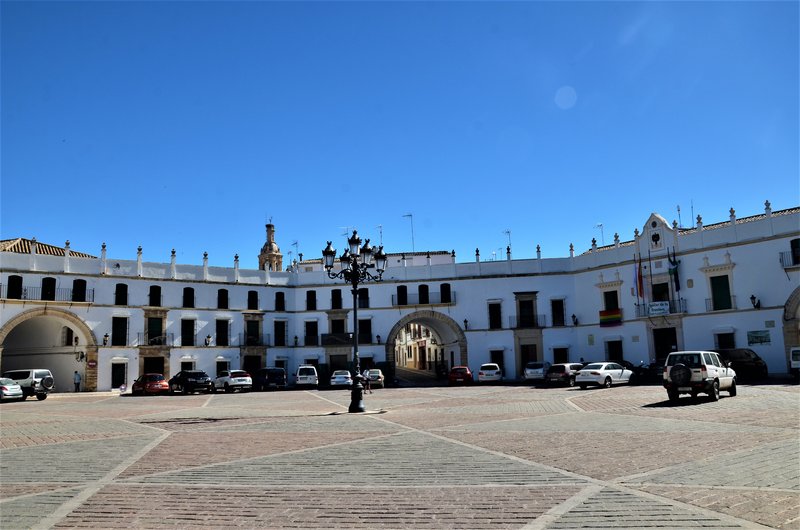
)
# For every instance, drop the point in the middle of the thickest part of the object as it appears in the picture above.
(794, 362)
(306, 376)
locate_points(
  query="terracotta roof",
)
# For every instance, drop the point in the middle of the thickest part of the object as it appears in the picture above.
(21, 245)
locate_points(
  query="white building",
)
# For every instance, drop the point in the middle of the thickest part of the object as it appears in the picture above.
(737, 285)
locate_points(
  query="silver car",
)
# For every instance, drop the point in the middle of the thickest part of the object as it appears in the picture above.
(10, 390)
(535, 370)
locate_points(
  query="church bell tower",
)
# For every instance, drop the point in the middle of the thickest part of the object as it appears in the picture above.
(270, 258)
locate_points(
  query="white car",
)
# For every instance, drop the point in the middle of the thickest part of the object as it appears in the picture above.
(535, 370)
(602, 374)
(697, 372)
(306, 376)
(341, 378)
(490, 373)
(10, 390)
(232, 380)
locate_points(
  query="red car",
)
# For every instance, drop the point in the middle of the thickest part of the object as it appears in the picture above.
(460, 375)
(150, 384)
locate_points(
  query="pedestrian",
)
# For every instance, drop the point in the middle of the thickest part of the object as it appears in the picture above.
(77, 380)
(367, 387)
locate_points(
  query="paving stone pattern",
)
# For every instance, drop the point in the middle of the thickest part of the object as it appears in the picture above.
(475, 457)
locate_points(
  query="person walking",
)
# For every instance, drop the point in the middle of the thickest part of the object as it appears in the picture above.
(367, 387)
(76, 378)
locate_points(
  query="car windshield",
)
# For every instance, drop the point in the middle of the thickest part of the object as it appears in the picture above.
(557, 369)
(305, 371)
(275, 372)
(594, 366)
(534, 366)
(796, 355)
(691, 360)
(740, 355)
(239, 373)
(155, 377)
(7, 381)
(489, 367)
(459, 370)
(341, 373)
(195, 373)
(374, 372)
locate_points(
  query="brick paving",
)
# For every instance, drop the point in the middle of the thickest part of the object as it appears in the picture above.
(476, 457)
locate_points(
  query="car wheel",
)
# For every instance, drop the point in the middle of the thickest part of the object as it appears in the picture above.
(184, 390)
(228, 389)
(681, 374)
(714, 394)
(583, 387)
(41, 397)
(213, 389)
(571, 381)
(673, 395)
(732, 389)
(607, 382)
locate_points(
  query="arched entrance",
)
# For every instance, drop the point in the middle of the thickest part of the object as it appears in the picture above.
(52, 338)
(447, 345)
(791, 323)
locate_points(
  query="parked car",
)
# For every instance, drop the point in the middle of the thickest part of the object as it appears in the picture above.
(748, 365)
(460, 375)
(10, 390)
(536, 370)
(270, 379)
(341, 378)
(306, 376)
(697, 372)
(33, 381)
(490, 373)
(375, 378)
(794, 363)
(232, 380)
(639, 371)
(187, 381)
(602, 374)
(150, 384)
(562, 373)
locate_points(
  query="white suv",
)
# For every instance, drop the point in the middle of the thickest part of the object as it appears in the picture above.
(34, 382)
(696, 372)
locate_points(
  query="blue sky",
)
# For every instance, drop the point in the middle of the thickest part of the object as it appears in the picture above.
(187, 125)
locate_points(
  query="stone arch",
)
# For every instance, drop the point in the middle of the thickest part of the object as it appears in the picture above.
(90, 347)
(441, 323)
(791, 322)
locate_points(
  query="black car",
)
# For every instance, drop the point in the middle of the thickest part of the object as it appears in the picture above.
(745, 362)
(640, 373)
(269, 379)
(187, 381)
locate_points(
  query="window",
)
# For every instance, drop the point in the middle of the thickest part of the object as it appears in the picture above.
(311, 300)
(402, 295)
(48, 288)
(119, 330)
(527, 314)
(365, 331)
(794, 244)
(280, 301)
(561, 355)
(280, 332)
(661, 292)
(724, 341)
(155, 331)
(222, 299)
(188, 297)
(252, 300)
(14, 287)
(222, 332)
(424, 295)
(336, 299)
(720, 293)
(79, 290)
(154, 296)
(447, 295)
(337, 325)
(610, 300)
(495, 321)
(363, 298)
(67, 336)
(312, 333)
(187, 332)
(252, 333)
(557, 310)
(614, 350)
(121, 294)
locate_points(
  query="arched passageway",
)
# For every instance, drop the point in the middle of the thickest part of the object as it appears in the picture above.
(426, 340)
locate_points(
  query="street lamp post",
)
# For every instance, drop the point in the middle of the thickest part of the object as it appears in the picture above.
(356, 262)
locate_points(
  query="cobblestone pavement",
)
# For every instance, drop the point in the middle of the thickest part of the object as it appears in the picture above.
(477, 457)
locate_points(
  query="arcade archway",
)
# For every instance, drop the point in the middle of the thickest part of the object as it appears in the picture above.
(444, 346)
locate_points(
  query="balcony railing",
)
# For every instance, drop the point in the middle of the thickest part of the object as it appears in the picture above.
(311, 340)
(529, 322)
(652, 309)
(337, 339)
(253, 340)
(60, 294)
(431, 299)
(165, 339)
(789, 259)
(721, 304)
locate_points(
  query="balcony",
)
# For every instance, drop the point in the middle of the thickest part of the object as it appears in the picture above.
(654, 309)
(431, 299)
(721, 304)
(527, 322)
(789, 259)
(253, 340)
(164, 339)
(337, 339)
(60, 294)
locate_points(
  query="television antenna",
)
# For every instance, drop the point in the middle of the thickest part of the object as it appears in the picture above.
(602, 235)
(508, 233)
(411, 216)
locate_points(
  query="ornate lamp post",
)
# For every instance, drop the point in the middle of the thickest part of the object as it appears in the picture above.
(356, 262)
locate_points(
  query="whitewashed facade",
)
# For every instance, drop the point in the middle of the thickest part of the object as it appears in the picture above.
(113, 319)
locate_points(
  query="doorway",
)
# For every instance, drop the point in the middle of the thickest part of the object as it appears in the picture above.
(665, 340)
(614, 350)
(153, 365)
(119, 374)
